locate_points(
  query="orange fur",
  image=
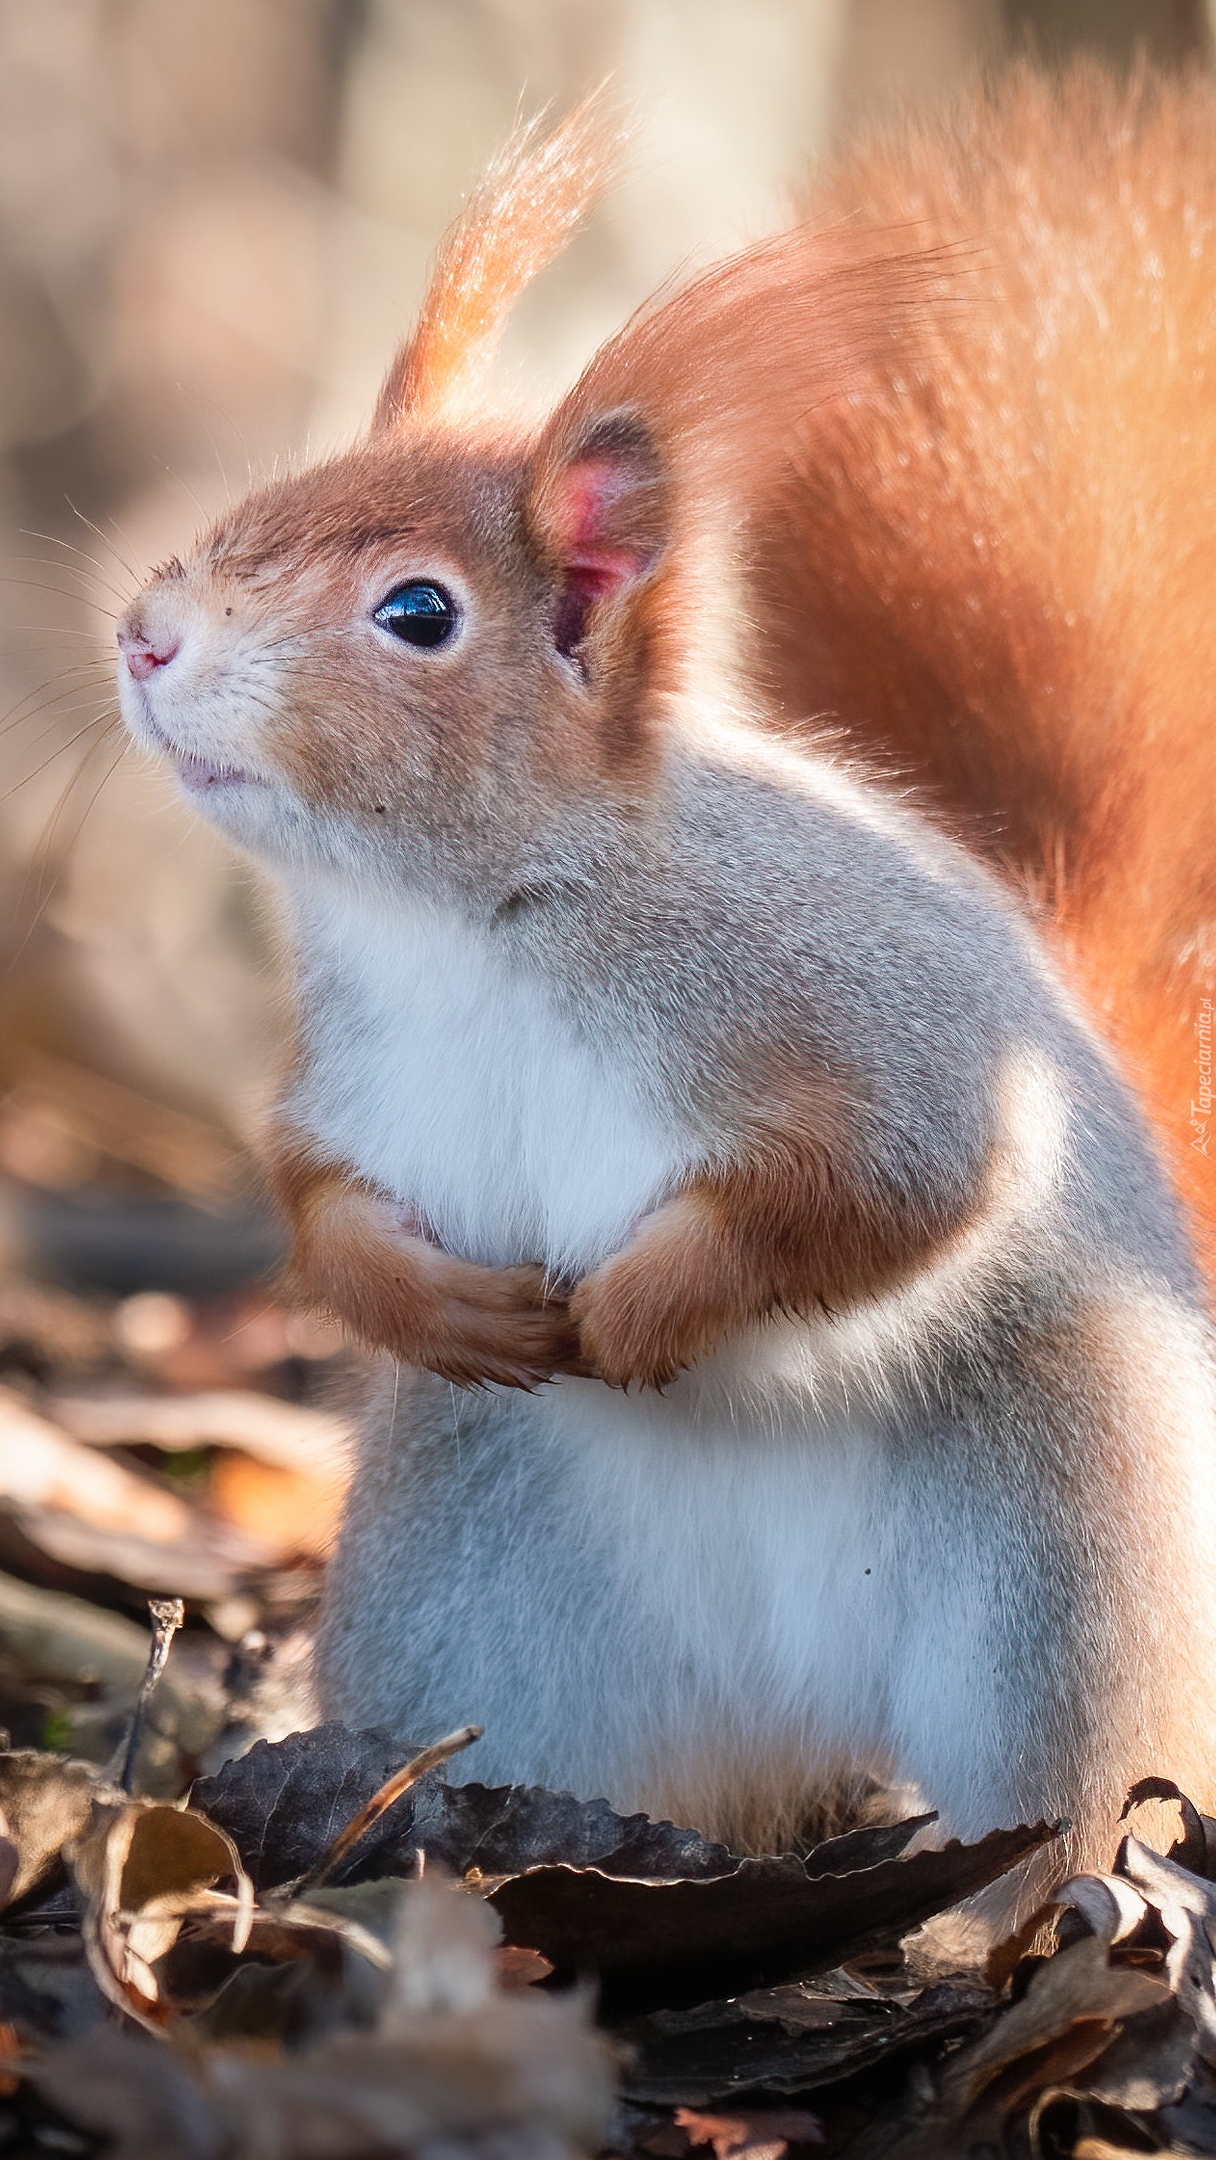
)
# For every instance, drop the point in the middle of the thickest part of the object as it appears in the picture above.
(794, 1225)
(399, 1293)
(997, 571)
(724, 366)
(527, 206)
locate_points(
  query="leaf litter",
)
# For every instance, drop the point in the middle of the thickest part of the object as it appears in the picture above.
(326, 1948)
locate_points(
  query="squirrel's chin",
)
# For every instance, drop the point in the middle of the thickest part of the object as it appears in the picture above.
(199, 775)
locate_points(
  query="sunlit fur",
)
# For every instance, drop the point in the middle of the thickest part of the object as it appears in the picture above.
(524, 210)
(638, 1047)
(996, 568)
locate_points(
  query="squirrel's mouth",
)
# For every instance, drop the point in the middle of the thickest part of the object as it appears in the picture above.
(198, 775)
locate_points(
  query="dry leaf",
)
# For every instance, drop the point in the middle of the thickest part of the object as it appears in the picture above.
(285, 1803)
(281, 1469)
(672, 1943)
(286, 1436)
(722, 2051)
(209, 1561)
(45, 1803)
(1196, 1849)
(140, 1867)
(41, 1468)
(660, 1915)
(1077, 1997)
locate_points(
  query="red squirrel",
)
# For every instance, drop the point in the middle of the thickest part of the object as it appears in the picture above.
(797, 1381)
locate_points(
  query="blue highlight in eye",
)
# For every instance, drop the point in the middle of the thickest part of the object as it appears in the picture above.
(419, 613)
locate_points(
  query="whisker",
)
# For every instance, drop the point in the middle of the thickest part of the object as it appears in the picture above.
(7, 793)
(127, 542)
(202, 397)
(55, 719)
(53, 629)
(186, 489)
(94, 527)
(91, 576)
(43, 852)
(56, 591)
(29, 532)
(18, 712)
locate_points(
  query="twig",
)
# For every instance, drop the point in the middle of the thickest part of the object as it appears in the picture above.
(167, 1614)
(400, 1782)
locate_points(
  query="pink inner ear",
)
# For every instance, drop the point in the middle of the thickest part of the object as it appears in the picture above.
(598, 559)
(589, 493)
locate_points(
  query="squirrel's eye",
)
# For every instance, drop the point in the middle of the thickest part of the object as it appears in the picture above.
(419, 613)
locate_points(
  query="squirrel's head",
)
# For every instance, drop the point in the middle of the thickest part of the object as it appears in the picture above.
(429, 644)
(421, 650)
(420, 657)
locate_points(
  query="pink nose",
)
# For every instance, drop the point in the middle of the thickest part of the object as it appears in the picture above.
(142, 657)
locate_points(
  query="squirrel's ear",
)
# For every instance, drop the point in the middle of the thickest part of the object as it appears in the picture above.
(599, 507)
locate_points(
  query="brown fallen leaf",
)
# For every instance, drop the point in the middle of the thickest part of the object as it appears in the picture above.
(45, 1803)
(297, 1513)
(285, 1802)
(50, 1635)
(285, 1436)
(42, 1468)
(684, 1942)
(1077, 1997)
(1196, 1848)
(428, 1760)
(141, 1867)
(1186, 1904)
(661, 1917)
(279, 1469)
(722, 2052)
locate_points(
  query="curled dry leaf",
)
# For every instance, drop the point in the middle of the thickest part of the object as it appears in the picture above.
(45, 1803)
(1186, 1905)
(684, 1942)
(141, 1867)
(1196, 1848)
(1075, 2003)
(1110, 2045)
(660, 1915)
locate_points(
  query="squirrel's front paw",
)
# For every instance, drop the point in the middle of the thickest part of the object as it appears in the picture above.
(502, 1326)
(373, 1265)
(633, 1327)
(666, 1299)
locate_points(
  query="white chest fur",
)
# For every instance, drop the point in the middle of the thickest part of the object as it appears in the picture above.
(447, 1075)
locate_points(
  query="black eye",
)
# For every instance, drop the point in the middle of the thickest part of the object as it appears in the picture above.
(419, 613)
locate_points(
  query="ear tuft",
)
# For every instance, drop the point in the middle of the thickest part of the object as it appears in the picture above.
(526, 207)
(599, 511)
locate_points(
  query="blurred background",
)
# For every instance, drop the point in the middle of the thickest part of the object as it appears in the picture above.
(215, 222)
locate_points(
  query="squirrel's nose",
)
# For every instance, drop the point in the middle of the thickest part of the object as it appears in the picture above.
(142, 656)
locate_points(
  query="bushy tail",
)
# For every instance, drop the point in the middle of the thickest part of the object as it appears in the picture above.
(996, 569)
